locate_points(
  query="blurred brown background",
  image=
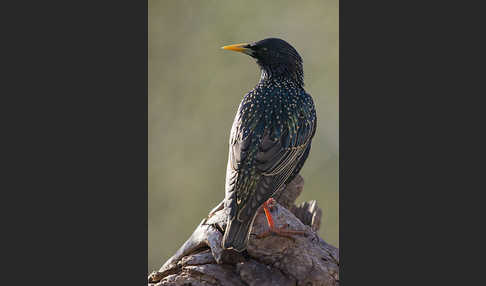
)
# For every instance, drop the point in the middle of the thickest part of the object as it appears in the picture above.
(194, 91)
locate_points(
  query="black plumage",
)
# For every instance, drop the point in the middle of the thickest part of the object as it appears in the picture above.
(270, 137)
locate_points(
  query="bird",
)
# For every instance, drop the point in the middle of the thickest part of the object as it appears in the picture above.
(270, 138)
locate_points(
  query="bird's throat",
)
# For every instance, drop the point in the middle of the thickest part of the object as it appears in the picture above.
(282, 73)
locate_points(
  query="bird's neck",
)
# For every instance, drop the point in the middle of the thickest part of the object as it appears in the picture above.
(282, 73)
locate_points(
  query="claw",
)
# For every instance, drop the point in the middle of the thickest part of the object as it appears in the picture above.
(270, 203)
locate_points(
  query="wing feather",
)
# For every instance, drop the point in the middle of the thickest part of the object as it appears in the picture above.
(263, 159)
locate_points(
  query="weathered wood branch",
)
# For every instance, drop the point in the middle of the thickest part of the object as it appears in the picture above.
(273, 260)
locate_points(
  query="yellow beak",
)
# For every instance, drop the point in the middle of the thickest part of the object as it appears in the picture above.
(238, 48)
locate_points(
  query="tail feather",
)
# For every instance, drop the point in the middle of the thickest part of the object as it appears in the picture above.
(237, 234)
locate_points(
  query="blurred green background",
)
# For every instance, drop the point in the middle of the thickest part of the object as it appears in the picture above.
(194, 91)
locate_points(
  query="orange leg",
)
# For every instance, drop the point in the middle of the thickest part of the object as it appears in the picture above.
(271, 224)
(268, 214)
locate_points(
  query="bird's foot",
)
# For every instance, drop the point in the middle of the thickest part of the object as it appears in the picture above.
(267, 207)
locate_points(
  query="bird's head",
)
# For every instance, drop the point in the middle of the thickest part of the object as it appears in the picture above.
(276, 58)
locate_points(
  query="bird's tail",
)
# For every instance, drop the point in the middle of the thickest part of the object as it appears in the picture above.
(237, 234)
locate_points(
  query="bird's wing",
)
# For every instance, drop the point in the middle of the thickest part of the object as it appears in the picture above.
(275, 161)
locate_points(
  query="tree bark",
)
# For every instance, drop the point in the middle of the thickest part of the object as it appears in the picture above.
(272, 260)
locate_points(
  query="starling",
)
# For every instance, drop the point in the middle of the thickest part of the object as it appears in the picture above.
(270, 138)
